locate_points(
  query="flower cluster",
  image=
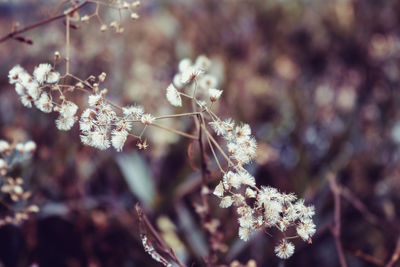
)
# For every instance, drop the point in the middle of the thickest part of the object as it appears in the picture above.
(100, 121)
(194, 76)
(12, 188)
(36, 90)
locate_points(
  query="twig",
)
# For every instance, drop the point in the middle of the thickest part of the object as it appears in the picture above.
(368, 258)
(42, 22)
(396, 254)
(337, 218)
(356, 203)
(144, 220)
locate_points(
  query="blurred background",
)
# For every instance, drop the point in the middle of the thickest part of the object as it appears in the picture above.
(318, 82)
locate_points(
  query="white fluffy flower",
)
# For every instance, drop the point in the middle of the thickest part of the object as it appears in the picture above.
(29, 147)
(44, 103)
(19, 89)
(173, 96)
(203, 63)
(285, 249)
(40, 73)
(133, 112)
(184, 64)
(100, 140)
(4, 146)
(26, 100)
(32, 88)
(244, 233)
(219, 190)
(226, 202)
(53, 77)
(68, 109)
(118, 139)
(306, 229)
(147, 119)
(214, 94)
(190, 74)
(14, 74)
(95, 100)
(65, 123)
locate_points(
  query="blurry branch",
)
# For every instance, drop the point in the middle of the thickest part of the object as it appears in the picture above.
(396, 254)
(13, 34)
(148, 245)
(337, 218)
(357, 204)
(368, 258)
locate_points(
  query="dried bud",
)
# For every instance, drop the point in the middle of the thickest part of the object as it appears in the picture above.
(79, 85)
(85, 18)
(134, 16)
(57, 56)
(102, 77)
(103, 28)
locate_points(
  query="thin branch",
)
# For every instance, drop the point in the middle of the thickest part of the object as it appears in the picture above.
(396, 254)
(42, 22)
(174, 131)
(144, 220)
(337, 218)
(368, 258)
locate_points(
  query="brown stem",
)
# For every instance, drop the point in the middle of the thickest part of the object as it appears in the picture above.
(42, 22)
(368, 258)
(143, 219)
(337, 219)
(396, 254)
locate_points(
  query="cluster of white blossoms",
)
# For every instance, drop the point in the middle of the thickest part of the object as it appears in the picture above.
(258, 208)
(99, 121)
(100, 125)
(35, 90)
(193, 76)
(11, 154)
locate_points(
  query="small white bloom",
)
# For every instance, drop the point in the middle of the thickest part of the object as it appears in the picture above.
(232, 179)
(33, 89)
(44, 103)
(3, 164)
(203, 63)
(226, 202)
(68, 109)
(53, 77)
(40, 73)
(19, 89)
(95, 100)
(219, 190)
(244, 233)
(147, 119)
(118, 139)
(29, 147)
(250, 193)
(173, 96)
(214, 94)
(184, 64)
(306, 229)
(100, 140)
(26, 100)
(4, 146)
(14, 74)
(218, 127)
(133, 112)
(190, 74)
(65, 123)
(208, 81)
(285, 249)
